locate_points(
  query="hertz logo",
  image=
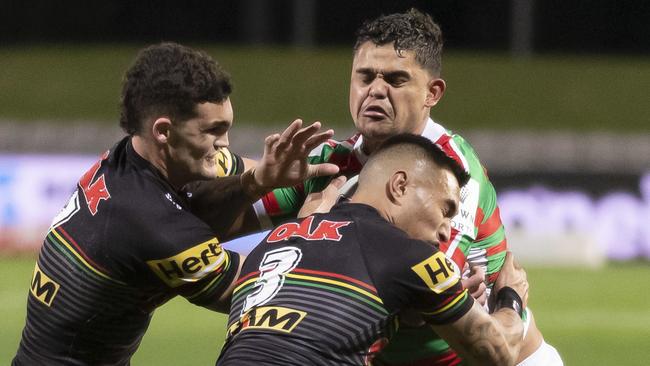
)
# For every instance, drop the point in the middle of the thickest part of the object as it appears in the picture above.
(191, 265)
(268, 317)
(437, 272)
(43, 287)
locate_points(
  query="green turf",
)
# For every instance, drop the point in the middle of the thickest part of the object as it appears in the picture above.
(593, 317)
(274, 85)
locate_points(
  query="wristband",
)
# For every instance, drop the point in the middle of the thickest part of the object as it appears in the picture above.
(253, 190)
(509, 298)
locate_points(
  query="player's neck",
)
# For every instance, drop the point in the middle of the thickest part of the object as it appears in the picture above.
(151, 153)
(372, 201)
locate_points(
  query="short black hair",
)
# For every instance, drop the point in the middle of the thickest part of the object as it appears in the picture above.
(411, 31)
(170, 79)
(430, 150)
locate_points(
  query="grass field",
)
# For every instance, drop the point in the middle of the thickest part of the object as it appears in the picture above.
(593, 317)
(70, 82)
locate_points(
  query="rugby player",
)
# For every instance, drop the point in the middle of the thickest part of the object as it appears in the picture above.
(395, 82)
(126, 241)
(326, 289)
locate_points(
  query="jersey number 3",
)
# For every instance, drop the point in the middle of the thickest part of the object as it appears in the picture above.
(275, 265)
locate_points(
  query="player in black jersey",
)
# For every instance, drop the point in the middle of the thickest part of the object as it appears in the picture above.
(126, 242)
(326, 289)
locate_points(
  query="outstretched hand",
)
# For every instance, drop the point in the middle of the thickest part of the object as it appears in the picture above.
(284, 162)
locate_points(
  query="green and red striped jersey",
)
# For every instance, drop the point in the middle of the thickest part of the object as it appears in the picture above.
(326, 290)
(477, 236)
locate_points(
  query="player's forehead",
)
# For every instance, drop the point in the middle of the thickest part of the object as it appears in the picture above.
(210, 113)
(384, 59)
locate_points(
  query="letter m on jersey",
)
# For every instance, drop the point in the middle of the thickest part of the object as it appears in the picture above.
(43, 288)
(96, 190)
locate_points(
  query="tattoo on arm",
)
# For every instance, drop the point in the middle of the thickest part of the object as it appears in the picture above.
(484, 339)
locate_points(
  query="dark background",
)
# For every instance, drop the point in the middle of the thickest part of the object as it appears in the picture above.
(579, 26)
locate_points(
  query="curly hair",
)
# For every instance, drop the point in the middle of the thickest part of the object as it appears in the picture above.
(170, 79)
(411, 31)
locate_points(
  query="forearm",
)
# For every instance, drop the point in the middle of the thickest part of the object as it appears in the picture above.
(225, 203)
(483, 339)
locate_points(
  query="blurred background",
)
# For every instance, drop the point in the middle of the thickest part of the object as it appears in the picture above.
(552, 94)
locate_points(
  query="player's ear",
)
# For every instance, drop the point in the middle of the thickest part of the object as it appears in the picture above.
(436, 89)
(396, 187)
(161, 129)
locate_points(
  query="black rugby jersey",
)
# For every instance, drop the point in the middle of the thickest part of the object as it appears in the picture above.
(327, 289)
(124, 244)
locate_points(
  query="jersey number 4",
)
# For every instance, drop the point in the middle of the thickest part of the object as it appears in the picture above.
(273, 269)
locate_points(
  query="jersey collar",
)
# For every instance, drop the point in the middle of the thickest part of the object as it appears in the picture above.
(432, 130)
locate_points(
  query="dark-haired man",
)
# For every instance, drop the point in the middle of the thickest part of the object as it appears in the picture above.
(395, 81)
(326, 289)
(126, 241)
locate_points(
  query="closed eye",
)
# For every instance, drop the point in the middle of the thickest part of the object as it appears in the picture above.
(451, 209)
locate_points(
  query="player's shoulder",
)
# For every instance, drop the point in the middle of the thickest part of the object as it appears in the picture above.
(456, 147)
(380, 236)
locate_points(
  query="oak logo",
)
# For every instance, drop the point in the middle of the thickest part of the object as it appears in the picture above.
(190, 265)
(94, 191)
(437, 272)
(43, 287)
(268, 317)
(326, 230)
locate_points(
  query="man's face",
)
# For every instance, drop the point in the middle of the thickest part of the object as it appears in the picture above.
(194, 143)
(430, 205)
(389, 94)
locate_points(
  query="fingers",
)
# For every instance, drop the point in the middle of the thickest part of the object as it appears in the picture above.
(296, 139)
(289, 132)
(480, 294)
(319, 170)
(305, 133)
(476, 278)
(318, 139)
(336, 183)
(269, 142)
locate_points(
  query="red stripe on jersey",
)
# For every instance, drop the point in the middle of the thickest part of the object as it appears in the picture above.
(492, 278)
(244, 278)
(457, 256)
(336, 275)
(443, 143)
(479, 217)
(496, 249)
(490, 226)
(271, 204)
(81, 252)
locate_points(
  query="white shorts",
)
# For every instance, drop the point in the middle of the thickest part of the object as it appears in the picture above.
(545, 355)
